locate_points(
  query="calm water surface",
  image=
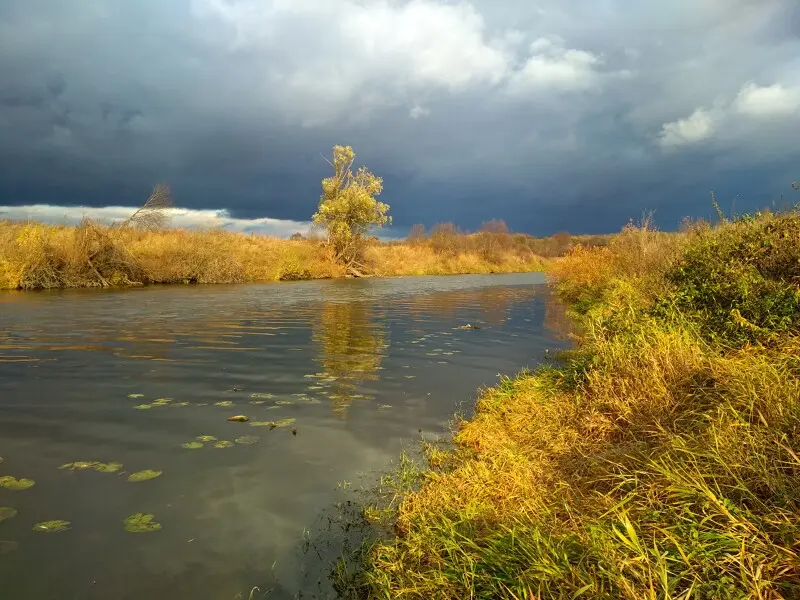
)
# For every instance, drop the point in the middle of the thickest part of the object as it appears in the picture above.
(361, 365)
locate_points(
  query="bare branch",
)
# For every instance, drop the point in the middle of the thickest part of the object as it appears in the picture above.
(152, 216)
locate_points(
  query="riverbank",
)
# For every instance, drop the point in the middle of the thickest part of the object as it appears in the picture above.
(40, 256)
(659, 459)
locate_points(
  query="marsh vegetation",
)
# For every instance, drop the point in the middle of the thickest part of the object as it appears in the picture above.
(658, 459)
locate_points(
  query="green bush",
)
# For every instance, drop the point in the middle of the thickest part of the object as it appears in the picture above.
(741, 280)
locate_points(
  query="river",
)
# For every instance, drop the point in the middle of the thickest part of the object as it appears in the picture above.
(140, 376)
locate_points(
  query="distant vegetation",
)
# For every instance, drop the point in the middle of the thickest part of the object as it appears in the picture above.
(658, 460)
(143, 249)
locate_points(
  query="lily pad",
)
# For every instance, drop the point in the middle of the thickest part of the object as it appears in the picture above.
(52, 526)
(6, 512)
(206, 438)
(261, 395)
(223, 403)
(111, 467)
(80, 465)
(239, 418)
(247, 440)
(141, 523)
(224, 444)
(181, 404)
(12, 483)
(135, 395)
(83, 465)
(6, 547)
(257, 401)
(283, 402)
(144, 475)
(192, 445)
(161, 402)
(143, 407)
(285, 422)
(262, 423)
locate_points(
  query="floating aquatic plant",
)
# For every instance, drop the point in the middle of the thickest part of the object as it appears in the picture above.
(192, 445)
(180, 404)
(83, 465)
(12, 483)
(223, 403)
(141, 523)
(284, 402)
(143, 407)
(239, 418)
(161, 402)
(261, 395)
(224, 444)
(52, 526)
(135, 395)
(285, 422)
(6, 512)
(206, 438)
(262, 424)
(144, 475)
(384, 406)
(78, 465)
(111, 467)
(257, 401)
(246, 440)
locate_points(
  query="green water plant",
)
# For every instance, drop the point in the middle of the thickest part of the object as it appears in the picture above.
(144, 475)
(224, 444)
(206, 438)
(6, 512)
(83, 465)
(192, 445)
(12, 483)
(247, 440)
(52, 526)
(141, 523)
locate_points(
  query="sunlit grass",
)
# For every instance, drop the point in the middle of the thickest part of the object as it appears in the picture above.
(658, 460)
(40, 256)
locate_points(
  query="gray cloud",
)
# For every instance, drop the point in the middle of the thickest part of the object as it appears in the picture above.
(557, 114)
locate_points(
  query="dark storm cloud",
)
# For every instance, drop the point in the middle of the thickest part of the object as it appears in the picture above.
(552, 115)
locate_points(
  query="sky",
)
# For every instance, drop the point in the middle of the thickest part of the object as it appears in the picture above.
(572, 115)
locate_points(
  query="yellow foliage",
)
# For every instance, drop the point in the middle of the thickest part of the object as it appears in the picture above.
(40, 256)
(348, 207)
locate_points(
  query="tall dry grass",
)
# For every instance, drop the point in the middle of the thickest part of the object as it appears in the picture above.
(659, 460)
(39, 256)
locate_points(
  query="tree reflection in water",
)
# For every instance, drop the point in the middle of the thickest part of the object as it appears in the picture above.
(352, 344)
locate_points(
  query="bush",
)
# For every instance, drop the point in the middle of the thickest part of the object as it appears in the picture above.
(740, 281)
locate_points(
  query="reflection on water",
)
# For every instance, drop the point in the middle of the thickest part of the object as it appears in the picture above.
(148, 378)
(351, 346)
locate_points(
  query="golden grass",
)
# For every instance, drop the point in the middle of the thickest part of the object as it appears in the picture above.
(661, 460)
(38, 256)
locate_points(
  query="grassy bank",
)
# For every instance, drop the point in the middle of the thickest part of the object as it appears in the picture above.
(659, 460)
(40, 256)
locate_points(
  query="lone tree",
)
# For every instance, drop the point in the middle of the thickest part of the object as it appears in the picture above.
(348, 208)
